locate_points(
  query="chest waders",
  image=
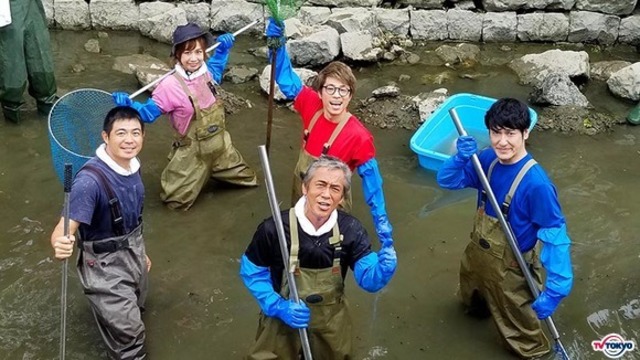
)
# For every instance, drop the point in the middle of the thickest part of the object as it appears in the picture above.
(323, 291)
(113, 274)
(490, 279)
(305, 159)
(26, 54)
(204, 152)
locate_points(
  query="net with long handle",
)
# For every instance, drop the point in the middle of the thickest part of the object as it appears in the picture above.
(76, 119)
(75, 127)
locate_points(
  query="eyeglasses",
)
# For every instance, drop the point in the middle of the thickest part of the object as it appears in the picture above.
(342, 91)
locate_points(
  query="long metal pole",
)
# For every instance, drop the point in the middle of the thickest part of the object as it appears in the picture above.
(284, 250)
(511, 239)
(68, 171)
(210, 49)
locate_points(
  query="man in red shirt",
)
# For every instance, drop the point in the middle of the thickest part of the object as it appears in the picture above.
(329, 128)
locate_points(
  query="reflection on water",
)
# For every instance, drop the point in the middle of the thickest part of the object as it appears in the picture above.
(197, 305)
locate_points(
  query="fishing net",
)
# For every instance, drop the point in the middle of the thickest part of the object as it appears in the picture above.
(75, 127)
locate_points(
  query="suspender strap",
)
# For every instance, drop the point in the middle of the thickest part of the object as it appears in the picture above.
(335, 240)
(483, 196)
(334, 134)
(193, 99)
(117, 222)
(514, 186)
(314, 119)
(295, 242)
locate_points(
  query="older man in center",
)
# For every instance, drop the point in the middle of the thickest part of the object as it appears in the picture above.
(323, 243)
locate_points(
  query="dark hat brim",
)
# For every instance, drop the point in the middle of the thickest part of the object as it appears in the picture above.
(209, 39)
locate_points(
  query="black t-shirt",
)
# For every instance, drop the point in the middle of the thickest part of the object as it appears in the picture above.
(315, 251)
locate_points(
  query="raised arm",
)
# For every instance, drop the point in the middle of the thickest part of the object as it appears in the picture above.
(288, 81)
(218, 61)
(149, 111)
(453, 175)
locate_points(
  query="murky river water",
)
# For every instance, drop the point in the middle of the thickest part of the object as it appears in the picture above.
(198, 307)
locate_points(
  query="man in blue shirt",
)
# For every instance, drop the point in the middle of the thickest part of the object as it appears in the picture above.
(491, 283)
(105, 209)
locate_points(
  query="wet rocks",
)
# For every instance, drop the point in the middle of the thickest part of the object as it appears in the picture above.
(533, 68)
(558, 89)
(625, 82)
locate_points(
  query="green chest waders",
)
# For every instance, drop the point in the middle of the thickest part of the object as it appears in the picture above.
(26, 55)
(323, 291)
(204, 152)
(305, 159)
(490, 279)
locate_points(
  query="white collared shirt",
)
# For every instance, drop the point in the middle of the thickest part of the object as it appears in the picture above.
(180, 70)
(134, 164)
(306, 224)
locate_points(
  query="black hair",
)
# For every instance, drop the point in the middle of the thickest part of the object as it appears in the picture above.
(121, 113)
(508, 113)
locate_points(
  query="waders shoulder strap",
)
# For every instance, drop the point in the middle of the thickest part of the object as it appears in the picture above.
(312, 123)
(514, 186)
(117, 222)
(295, 243)
(483, 196)
(335, 241)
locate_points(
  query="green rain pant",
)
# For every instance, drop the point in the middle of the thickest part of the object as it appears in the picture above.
(491, 280)
(26, 56)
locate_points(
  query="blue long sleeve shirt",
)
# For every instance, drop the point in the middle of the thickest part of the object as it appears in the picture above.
(534, 205)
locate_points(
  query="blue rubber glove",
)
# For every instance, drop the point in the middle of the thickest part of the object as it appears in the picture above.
(218, 61)
(374, 271)
(374, 197)
(296, 315)
(288, 81)
(556, 259)
(466, 146)
(546, 304)
(148, 111)
(226, 42)
(121, 98)
(258, 280)
(274, 28)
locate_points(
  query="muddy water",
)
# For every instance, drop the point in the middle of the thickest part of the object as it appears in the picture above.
(198, 308)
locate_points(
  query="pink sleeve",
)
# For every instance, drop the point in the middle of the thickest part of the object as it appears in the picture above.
(163, 96)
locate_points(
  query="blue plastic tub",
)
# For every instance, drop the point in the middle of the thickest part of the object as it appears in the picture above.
(435, 139)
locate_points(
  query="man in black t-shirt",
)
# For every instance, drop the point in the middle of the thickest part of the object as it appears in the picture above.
(323, 244)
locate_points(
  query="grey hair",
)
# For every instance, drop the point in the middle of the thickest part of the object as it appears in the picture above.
(331, 163)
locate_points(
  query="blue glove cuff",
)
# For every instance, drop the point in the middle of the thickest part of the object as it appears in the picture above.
(148, 111)
(370, 274)
(258, 280)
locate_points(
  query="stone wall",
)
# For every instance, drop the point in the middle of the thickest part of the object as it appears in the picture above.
(592, 21)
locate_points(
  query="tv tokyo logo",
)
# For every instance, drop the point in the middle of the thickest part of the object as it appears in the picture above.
(613, 345)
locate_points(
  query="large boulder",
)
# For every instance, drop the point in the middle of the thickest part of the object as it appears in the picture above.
(558, 89)
(625, 83)
(533, 68)
(318, 48)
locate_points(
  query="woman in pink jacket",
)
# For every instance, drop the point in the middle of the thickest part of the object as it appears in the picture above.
(202, 148)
